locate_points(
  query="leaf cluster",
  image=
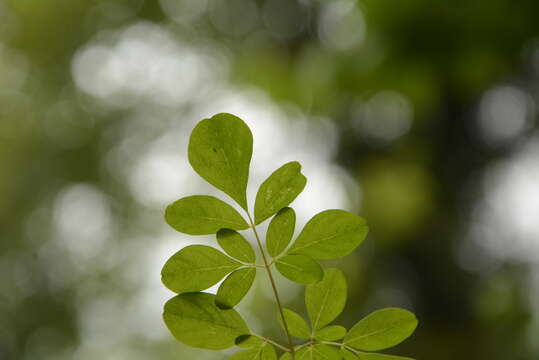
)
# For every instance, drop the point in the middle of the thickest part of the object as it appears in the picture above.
(220, 151)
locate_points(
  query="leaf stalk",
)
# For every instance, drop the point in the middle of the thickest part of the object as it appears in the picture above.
(267, 265)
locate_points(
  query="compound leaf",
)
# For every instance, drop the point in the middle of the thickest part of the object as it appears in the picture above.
(195, 320)
(300, 268)
(325, 300)
(235, 287)
(220, 150)
(264, 352)
(203, 215)
(235, 245)
(280, 231)
(374, 356)
(330, 234)
(279, 190)
(296, 324)
(195, 268)
(330, 333)
(382, 329)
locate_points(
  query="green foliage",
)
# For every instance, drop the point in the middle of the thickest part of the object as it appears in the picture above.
(382, 329)
(263, 352)
(316, 352)
(235, 287)
(195, 320)
(297, 326)
(195, 268)
(325, 300)
(299, 268)
(330, 333)
(279, 190)
(203, 215)
(330, 234)
(235, 245)
(374, 356)
(248, 341)
(220, 150)
(348, 355)
(280, 231)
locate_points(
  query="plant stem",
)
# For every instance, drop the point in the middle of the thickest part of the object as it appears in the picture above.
(273, 286)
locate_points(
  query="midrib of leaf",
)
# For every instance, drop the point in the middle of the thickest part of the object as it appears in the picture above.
(258, 353)
(218, 219)
(290, 265)
(321, 308)
(241, 250)
(211, 268)
(246, 274)
(317, 241)
(230, 168)
(319, 353)
(376, 332)
(205, 322)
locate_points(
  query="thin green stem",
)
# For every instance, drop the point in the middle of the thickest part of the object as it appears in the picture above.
(273, 286)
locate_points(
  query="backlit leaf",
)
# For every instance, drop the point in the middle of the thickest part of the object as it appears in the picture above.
(280, 231)
(325, 300)
(195, 320)
(382, 329)
(279, 190)
(330, 333)
(373, 356)
(203, 215)
(318, 352)
(195, 268)
(330, 235)
(235, 245)
(296, 324)
(235, 287)
(264, 352)
(248, 341)
(348, 355)
(300, 268)
(220, 150)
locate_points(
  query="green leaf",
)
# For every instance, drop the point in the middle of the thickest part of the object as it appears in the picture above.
(279, 190)
(248, 341)
(296, 324)
(220, 151)
(330, 234)
(235, 287)
(280, 231)
(195, 320)
(195, 268)
(264, 352)
(330, 333)
(203, 215)
(300, 268)
(382, 329)
(373, 356)
(235, 245)
(325, 300)
(318, 352)
(348, 355)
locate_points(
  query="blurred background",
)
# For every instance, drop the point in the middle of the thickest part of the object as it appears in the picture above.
(419, 115)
